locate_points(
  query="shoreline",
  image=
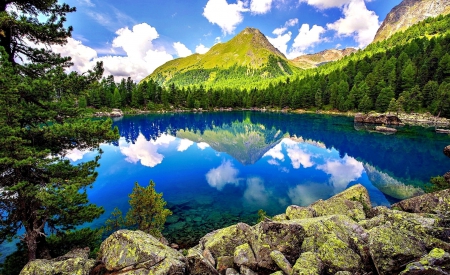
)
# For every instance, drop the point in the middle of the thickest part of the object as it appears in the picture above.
(412, 119)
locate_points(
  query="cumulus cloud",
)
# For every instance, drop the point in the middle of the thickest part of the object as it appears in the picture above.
(181, 49)
(357, 21)
(280, 42)
(325, 4)
(184, 145)
(275, 152)
(299, 157)
(145, 151)
(202, 145)
(226, 16)
(342, 171)
(303, 195)
(201, 49)
(256, 194)
(141, 59)
(76, 154)
(307, 37)
(222, 175)
(260, 6)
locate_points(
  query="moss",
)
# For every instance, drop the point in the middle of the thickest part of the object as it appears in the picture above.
(281, 261)
(223, 242)
(437, 253)
(295, 212)
(337, 255)
(307, 264)
(243, 255)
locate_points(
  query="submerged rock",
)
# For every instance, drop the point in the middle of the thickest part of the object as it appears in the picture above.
(386, 119)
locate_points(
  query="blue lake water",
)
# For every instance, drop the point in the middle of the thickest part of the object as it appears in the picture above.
(216, 169)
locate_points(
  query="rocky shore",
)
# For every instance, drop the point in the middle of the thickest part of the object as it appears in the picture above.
(341, 235)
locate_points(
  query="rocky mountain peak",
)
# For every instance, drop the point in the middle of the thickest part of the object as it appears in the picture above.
(408, 13)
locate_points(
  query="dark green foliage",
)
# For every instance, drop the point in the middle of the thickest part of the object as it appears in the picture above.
(437, 184)
(147, 210)
(262, 215)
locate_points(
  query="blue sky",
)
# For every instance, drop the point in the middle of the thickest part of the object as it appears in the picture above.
(132, 38)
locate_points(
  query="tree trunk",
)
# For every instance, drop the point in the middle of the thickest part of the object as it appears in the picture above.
(31, 241)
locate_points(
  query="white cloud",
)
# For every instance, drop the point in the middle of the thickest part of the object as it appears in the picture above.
(226, 16)
(299, 157)
(291, 22)
(81, 55)
(303, 195)
(357, 21)
(280, 42)
(181, 49)
(342, 171)
(201, 49)
(76, 154)
(275, 152)
(222, 175)
(260, 6)
(141, 59)
(307, 37)
(202, 145)
(184, 145)
(325, 4)
(279, 31)
(256, 194)
(87, 3)
(145, 151)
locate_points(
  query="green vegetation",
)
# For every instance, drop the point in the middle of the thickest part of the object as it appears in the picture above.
(41, 192)
(147, 212)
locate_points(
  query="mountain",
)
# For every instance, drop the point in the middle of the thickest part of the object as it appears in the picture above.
(247, 58)
(314, 60)
(408, 13)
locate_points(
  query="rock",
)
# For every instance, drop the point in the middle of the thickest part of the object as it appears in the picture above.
(384, 129)
(385, 119)
(223, 242)
(447, 151)
(127, 250)
(281, 261)
(247, 271)
(279, 218)
(74, 262)
(437, 202)
(442, 131)
(294, 212)
(243, 255)
(198, 264)
(278, 273)
(224, 263)
(343, 273)
(337, 255)
(392, 248)
(285, 237)
(308, 264)
(353, 202)
(231, 271)
(436, 262)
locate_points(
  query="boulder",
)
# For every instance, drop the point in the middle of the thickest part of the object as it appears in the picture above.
(295, 212)
(198, 264)
(285, 237)
(384, 129)
(74, 262)
(127, 251)
(392, 248)
(386, 119)
(223, 242)
(281, 261)
(223, 263)
(436, 262)
(308, 264)
(353, 202)
(447, 151)
(243, 255)
(437, 202)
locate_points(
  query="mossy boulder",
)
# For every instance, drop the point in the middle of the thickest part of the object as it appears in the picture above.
(74, 262)
(285, 237)
(295, 212)
(436, 262)
(392, 248)
(243, 255)
(198, 264)
(308, 264)
(281, 261)
(353, 202)
(338, 256)
(223, 263)
(437, 202)
(222, 242)
(127, 250)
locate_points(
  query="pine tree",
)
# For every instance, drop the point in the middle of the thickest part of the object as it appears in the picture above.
(42, 191)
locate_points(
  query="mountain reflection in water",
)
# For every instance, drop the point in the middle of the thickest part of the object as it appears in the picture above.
(216, 169)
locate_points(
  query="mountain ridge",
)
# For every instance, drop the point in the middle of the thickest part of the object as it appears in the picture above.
(314, 60)
(408, 13)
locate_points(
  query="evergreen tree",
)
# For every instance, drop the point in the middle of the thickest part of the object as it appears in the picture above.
(117, 100)
(42, 191)
(384, 99)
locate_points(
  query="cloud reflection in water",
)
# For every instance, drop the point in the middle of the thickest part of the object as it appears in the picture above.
(222, 175)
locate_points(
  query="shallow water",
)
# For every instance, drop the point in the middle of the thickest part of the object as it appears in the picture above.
(216, 169)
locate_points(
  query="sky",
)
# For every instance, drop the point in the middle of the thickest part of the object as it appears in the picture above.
(134, 37)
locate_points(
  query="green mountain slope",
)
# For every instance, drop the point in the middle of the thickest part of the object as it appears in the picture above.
(247, 59)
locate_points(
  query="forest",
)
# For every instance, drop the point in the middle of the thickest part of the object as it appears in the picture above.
(409, 72)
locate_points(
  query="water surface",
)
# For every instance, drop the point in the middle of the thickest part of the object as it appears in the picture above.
(216, 169)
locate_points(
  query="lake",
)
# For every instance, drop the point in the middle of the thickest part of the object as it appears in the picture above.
(217, 169)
